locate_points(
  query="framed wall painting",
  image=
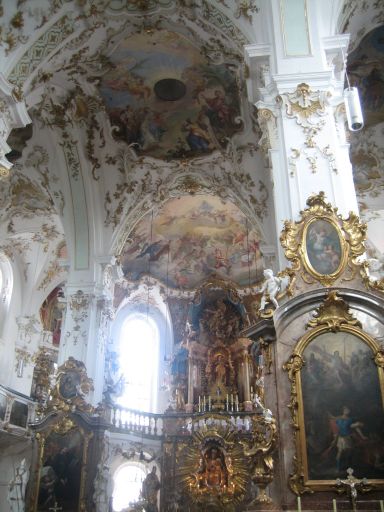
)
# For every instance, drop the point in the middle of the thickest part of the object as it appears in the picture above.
(61, 468)
(323, 246)
(337, 407)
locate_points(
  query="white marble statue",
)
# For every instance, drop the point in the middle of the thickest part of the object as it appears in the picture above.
(376, 268)
(17, 487)
(270, 288)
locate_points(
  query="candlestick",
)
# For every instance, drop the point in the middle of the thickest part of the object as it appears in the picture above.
(298, 504)
(334, 505)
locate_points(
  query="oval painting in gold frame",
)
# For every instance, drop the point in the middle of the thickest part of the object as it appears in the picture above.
(323, 248)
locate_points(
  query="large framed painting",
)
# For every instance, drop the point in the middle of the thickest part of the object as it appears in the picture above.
(337, 396)
(61, 470)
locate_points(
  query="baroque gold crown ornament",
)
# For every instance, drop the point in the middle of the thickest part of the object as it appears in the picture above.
(323, 246)
(333, 312)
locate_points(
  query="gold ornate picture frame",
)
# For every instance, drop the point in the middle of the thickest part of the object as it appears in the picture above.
(71, 387)
(61, 469)
(323, 246)
(337, 401)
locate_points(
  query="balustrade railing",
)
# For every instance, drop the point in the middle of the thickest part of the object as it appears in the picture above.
(16, 409)
(178, 423)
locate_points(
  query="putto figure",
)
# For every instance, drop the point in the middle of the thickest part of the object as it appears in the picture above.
(270, 289)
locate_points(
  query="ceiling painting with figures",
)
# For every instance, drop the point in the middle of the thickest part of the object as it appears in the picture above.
(166, 99)
(192, 238)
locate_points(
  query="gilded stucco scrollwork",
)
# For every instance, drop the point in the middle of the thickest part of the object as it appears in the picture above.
(333, 313)
(71, 386)
(79, 304)
(245, 9)
(260, 449)
(304, 105)
(323, 246)
(308, 108)
(23, 357)
(268, 125)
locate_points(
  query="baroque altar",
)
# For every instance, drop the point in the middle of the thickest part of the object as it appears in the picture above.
(226, 436)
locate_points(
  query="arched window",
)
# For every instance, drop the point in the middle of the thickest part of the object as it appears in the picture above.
(139, 361)
(127, 480)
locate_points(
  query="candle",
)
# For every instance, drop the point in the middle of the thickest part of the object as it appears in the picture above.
(298, 504)
(204, 403)
(334, 505)
(381, 505)
(209, 403)
(199, 403)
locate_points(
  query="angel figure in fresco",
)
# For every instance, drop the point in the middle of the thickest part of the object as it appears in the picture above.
(217, 110)
(197, 137)
(221, 260)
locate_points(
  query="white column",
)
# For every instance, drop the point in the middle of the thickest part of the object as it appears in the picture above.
(296, 82)
(87, 326)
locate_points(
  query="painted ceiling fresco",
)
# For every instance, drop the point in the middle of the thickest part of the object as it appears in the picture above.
(366, 71)
(192, 238)
(162, 96)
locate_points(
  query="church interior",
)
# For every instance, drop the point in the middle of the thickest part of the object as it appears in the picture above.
(191, 255)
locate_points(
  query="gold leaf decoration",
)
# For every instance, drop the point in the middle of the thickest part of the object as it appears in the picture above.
(333, 312)
(322, 246)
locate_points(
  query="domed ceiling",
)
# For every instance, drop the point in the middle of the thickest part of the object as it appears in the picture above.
(192, 238)
(162, 96)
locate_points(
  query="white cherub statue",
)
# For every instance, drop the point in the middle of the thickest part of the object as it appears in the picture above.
(270, 289)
